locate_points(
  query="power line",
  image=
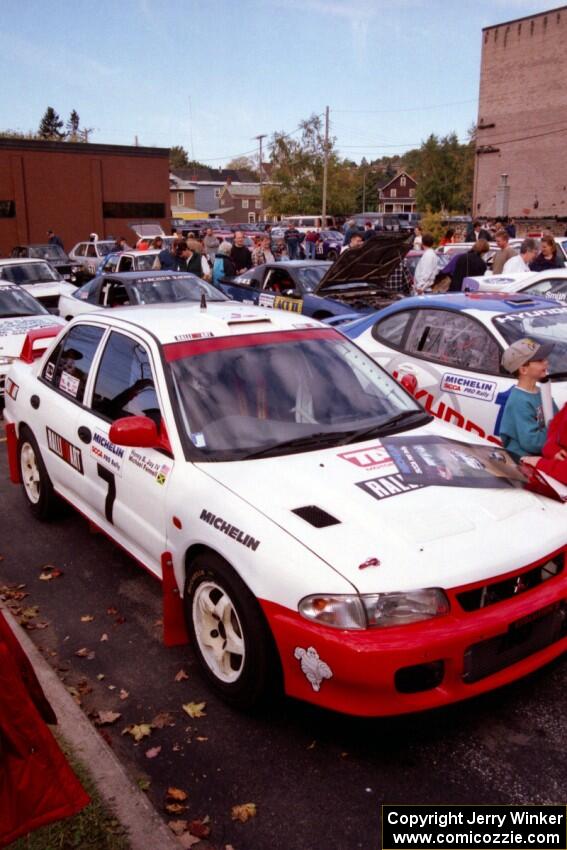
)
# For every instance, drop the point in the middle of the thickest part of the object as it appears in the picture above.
(408, 109)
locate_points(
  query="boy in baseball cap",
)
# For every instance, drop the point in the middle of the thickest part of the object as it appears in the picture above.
(523, 430)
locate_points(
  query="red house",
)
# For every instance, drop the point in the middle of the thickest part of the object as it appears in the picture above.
(398, 195)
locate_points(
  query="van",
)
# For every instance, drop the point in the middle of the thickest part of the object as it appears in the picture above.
(310, 222)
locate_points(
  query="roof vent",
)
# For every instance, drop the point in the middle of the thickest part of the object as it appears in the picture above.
(316, 516)
(247, 320)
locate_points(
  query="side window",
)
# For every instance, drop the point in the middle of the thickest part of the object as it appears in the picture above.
(68, 366)
(555, 288)
(125, 384)
(454, 339)
(80, 250)
(391, 329)
(91, 250)
(111, 263)
(125, 264)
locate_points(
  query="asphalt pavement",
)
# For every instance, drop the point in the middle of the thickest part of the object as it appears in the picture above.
(317, 779)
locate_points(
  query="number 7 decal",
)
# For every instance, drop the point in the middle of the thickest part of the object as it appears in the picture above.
(108, 476)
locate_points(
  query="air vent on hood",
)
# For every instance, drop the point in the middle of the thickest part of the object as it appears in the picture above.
(316, 516)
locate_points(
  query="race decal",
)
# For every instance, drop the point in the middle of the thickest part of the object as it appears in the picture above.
(106, 453)
(158, 471)
(65, 450)
(23, 324)
(12, 389)
(69, 384)
(49, 370)
(369, 458)
(108, 476)
(386, 486)
(230, 530)
(281, 302)
(530, 314)
(312, 667)
(187, 337)
(471, 387)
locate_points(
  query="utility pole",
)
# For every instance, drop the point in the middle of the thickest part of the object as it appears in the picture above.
(259, 138)
(325, 170)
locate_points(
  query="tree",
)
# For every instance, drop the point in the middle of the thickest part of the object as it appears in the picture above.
(243, 163)
(178, 157)
(72, 126)
(50, 125)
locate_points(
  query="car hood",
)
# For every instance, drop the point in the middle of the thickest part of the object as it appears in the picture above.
(428, 537)
(13, 331)
(371, 264)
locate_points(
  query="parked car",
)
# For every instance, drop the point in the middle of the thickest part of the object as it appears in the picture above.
(352, 285)
(127, 261)
(329, 245)
(55, 256)
(38, 277)
(451, 348)
(133, 288)
(548, 284)
(19, 314)
(246, 458)
(88, 255)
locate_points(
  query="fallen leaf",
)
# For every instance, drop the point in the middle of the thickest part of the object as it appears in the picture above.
(138, 731)
(243, 812)
(176, 793)
(124, 694)
(111, 687)
(195, 709)
(74, 693)
(312, 745)
(163, 719)
(176, 748)
(100, 676)
(49, 572)
(87, 618)
(178, 827)
(187, 840)
(180, 676)
(175, 808)
(30, 613)
(153, 752)
(228, 847)
(41, 625)
(201, 738)
(85, 653)
(143, 784)
(106, 717)
(200, 828)
(112, 611)
(103, 637)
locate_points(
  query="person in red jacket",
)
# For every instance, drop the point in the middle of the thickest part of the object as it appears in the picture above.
(553, 460)
(37, 786)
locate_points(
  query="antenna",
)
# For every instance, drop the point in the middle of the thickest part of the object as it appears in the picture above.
(203, 301)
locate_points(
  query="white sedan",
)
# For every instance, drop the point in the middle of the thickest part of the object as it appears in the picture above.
(38, 278)
(257, 462)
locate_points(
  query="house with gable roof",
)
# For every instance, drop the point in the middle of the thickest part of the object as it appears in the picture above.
(398, 195)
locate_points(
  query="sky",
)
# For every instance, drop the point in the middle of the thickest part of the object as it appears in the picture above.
(211, 76)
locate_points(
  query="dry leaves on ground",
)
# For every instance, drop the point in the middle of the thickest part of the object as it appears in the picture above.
(104, 718)
(153, 752)
(87, 618)
(49, 572)
(195, 709)
(163, 719)
(200, 827)
(138, 731)
(84, 652)
(176, 793)
(243, 812)
(180, 676)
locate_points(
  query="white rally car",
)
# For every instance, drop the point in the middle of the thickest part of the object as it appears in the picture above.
(447, 349)
(242, 456)
(38, 278)
(20, 314)
(550, 284)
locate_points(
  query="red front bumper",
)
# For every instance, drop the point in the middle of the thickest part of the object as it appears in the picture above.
(364, 663)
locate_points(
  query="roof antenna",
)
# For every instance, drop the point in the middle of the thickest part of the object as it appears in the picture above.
(203, 301)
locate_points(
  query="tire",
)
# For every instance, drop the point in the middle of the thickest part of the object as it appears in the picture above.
(38, 489)
(331, 255)
(245, 677)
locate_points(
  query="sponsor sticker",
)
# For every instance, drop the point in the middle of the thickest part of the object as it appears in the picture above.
(49, 370)
(530, 314)
(65, 450)
(230, 530)
(471, 387)
(313, 668)
(187, 337)
(198, 440)
(157, 470)
(387, 486)
(106, 453)
(12, 389)
(23, 324)
(69, 384)
(368, 458)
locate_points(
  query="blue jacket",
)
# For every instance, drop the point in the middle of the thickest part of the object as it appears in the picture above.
(166, 260)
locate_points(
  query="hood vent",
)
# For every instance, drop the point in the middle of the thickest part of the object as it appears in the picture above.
(315, 516)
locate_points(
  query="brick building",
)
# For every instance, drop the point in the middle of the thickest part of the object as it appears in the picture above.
(521, 167)
(76, 189)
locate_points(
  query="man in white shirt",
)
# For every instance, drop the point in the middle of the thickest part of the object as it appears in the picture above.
(521, 263)
(428, 267)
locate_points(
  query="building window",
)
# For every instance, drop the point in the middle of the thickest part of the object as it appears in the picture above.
(244, 205)
(393, 193)
(127, 209)
(258, 205)
(181, 199)
(403, 180)
(217, 193)
(412, 193)
(7, 209)
(251, 218)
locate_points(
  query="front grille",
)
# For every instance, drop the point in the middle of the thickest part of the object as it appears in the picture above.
(49, 301)
(523, 638)
(316, 516)
(499, 591)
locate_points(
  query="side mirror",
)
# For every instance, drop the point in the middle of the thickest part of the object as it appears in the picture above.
(135, 431)
(409, 383)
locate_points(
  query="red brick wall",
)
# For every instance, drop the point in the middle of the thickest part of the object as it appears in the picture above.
(523, 93)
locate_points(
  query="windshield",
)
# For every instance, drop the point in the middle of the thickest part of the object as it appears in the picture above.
(145, 262)
(332, 235)
(104, 248)
(47, 252)
(244, 395)
(165, 290)
(29, 273)
(17, 302)
(547, 324)
(309, 277)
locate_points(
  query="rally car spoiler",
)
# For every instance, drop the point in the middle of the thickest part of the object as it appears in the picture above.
(30, 350)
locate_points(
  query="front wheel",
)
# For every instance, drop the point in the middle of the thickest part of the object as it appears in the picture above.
(332, 255)
(229, 633)
(38, 488)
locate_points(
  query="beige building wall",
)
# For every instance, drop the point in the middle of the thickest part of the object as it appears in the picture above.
(522, 118)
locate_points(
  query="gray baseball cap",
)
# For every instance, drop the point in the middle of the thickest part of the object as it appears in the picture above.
(524, 351)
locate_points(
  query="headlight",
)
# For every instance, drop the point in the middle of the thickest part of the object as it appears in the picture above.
(371, 610)
(75, 269)
(5, 361)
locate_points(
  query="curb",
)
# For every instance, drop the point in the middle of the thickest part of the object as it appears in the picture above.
(146, 830)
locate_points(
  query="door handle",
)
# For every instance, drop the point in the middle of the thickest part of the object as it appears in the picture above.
(84, 434)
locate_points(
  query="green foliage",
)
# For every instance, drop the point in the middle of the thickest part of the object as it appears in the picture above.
(178, 157)
(243, 163)
(443, 168)
(432, 222)
(50, 126)
(72, 126)
(16, 134)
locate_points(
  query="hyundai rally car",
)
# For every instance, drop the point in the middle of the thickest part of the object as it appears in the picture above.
(251, 459)
(447, 349)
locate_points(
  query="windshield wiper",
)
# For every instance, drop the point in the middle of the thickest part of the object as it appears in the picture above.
(383, 427)
(297, 443)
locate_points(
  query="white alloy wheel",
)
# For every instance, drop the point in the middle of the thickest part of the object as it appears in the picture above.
(218, 631)
(30, 473)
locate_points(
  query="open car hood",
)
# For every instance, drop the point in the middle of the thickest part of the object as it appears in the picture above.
(146, 229)
(371, 264)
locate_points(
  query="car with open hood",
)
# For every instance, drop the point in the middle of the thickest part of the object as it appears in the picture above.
(313, 527)
(449, 348)
(54, 255)
(353, 285)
